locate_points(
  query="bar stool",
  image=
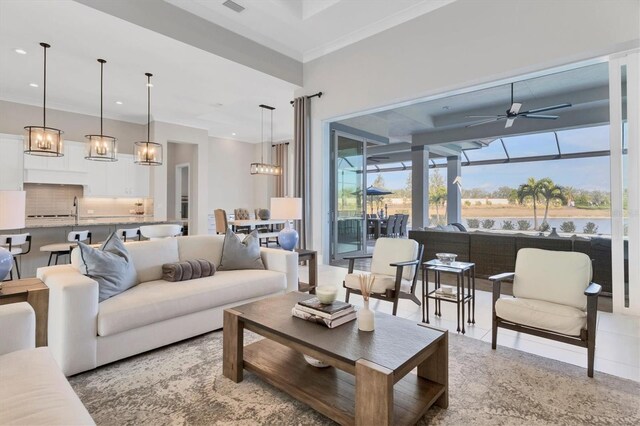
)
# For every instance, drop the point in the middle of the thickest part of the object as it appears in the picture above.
(155, 232)
(128, 233)
(61, 249)
(14, 243)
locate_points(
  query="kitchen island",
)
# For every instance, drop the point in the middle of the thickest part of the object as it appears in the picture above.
(50, 230)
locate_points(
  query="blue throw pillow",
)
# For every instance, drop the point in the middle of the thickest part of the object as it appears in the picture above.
(110, 266)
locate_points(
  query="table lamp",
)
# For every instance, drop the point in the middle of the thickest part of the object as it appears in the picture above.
(12, 211)
(287, 208)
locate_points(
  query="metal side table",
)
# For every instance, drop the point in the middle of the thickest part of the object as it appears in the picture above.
(462, 271)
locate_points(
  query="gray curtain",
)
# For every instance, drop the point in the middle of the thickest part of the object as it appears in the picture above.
(302, 165)
(280, 154)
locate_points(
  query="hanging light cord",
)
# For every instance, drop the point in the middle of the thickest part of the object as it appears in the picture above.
(271, 142)
(102, 62)
(148, 108)
(262, 135)
(44, 98)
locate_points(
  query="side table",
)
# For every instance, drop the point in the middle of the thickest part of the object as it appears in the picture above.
(311, 257)
(34, 292)
(462, 271)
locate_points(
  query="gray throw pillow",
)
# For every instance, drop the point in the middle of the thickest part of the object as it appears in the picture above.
(243, 254)
(110, 266)
(187, 270)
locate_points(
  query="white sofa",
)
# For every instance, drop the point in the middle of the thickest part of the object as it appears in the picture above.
(33, 390)
(84, 334)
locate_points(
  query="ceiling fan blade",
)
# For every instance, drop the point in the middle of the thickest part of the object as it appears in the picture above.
(515, 107)
(484, 122)
(483, 116)
(549, 108)
(509, 122)
(540, 116)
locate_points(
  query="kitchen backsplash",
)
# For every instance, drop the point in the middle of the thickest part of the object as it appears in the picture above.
(46, 199)
(115, 206)
(57, 200)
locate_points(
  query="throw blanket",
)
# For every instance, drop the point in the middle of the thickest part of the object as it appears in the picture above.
(187, 270)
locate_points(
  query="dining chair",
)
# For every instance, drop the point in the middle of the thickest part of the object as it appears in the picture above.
(388, 229)
(130, 233)
(397, 226)
(222, 224)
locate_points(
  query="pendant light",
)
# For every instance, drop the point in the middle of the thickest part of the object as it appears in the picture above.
(263, 168)
(101, 147)
(148, 153)
(42, 140)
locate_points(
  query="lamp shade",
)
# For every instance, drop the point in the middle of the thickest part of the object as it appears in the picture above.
(286, 208)
(12, 209)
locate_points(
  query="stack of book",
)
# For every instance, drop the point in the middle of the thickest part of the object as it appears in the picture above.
(447, 292)
(331, 315)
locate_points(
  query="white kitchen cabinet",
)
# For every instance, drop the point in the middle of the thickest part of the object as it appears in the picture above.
(75, 152)
(140, 180)
(11, 175)
(96, 180)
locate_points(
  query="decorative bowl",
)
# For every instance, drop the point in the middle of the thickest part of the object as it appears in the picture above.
(326, 294)
(446, 258)
(315, 362)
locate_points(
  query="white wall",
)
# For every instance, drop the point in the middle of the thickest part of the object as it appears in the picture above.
(181, 153)
(230, 185)
(460, 45)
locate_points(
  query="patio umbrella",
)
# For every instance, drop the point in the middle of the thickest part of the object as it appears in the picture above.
(372, 190)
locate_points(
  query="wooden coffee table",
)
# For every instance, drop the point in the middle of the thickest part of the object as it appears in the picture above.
(369, 383)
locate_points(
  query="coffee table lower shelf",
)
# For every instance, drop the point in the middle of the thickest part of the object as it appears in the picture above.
(331, 391)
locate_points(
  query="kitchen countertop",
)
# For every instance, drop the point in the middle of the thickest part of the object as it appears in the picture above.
(97, 221)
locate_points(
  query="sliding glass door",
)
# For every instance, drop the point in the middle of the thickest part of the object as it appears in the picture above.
(348, 212)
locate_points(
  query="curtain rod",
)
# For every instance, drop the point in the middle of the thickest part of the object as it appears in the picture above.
(319, 95)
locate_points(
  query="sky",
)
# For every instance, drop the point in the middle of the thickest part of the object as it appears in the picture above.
(583, 173)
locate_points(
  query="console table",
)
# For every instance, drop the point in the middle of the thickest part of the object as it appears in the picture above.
(34, 292)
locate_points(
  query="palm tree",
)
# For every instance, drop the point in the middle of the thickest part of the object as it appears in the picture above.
(550, 191)
(531, 190)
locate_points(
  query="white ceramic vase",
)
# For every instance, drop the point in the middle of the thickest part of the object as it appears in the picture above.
(366, 318)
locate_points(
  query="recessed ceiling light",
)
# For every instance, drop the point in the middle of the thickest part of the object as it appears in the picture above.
(118, 102)
(20, 51)
(233, 134)
(33, 85)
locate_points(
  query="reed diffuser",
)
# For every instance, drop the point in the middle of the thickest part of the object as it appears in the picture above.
(366, 317)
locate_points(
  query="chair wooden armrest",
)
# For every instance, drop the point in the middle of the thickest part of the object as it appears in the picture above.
(352, 260)
(405, 263)
(593, 290)
(502, 277)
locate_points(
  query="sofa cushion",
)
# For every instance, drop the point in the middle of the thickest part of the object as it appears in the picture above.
(34, 391)
(380, 285)
(553, 276)
(110, 265)
(540, 314)
(155, 301)
(208, 247)
(149, 256)
(187, 270)
(241, 254)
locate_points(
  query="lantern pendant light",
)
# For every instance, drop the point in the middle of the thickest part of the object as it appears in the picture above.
(263, 168)
(101, 147)
(42, 140)
(148, 153)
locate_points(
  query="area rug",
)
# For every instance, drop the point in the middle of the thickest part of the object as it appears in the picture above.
(183, 384)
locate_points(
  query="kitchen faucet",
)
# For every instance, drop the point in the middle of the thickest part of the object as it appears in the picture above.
(76, 206)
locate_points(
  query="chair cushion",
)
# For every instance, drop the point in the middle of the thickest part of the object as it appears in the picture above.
(155, 301)
(540, 314)
(35, 392)
(391, 250)
(553, 276)
(380, 285)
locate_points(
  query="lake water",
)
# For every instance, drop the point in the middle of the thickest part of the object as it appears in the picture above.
(604, 224)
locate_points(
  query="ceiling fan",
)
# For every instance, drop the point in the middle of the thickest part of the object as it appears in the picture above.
(514, 112)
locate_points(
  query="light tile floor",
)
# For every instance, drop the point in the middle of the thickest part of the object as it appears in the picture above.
(617, 345)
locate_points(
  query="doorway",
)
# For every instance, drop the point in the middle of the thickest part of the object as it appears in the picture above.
(348, 218)
(183, 189)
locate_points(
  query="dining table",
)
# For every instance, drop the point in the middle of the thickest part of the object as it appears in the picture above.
(253, 223)
(376, 223)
